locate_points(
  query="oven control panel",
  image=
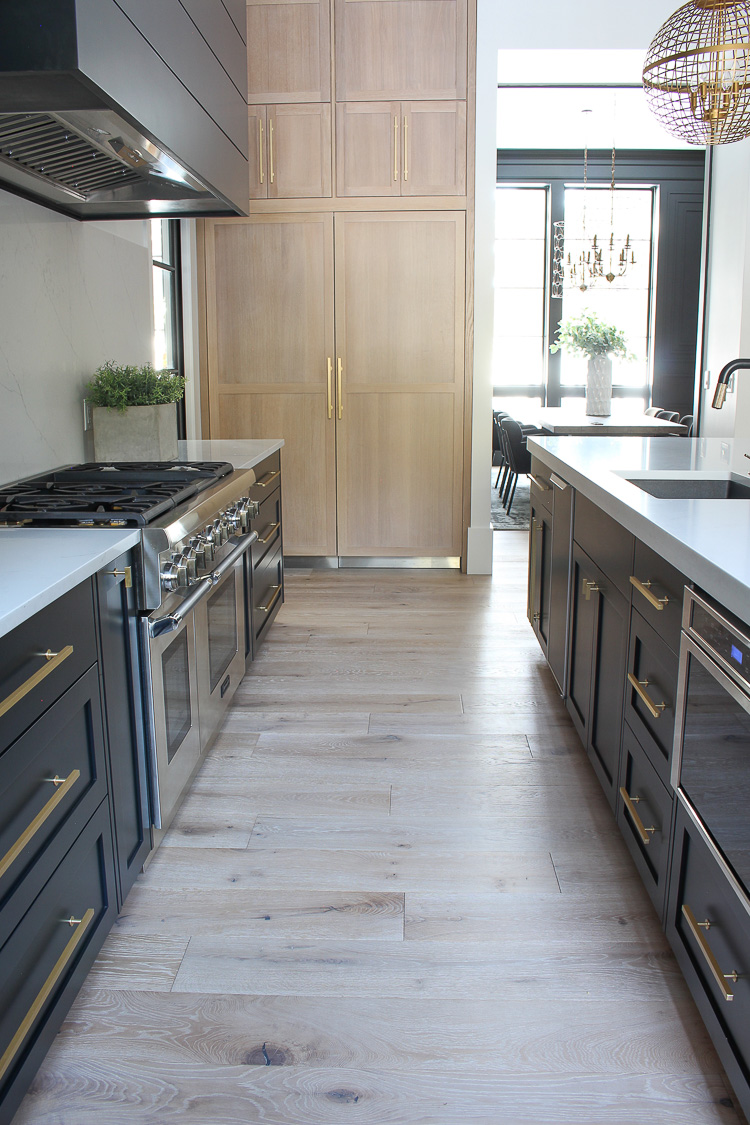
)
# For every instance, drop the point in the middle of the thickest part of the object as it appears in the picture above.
(193, 557)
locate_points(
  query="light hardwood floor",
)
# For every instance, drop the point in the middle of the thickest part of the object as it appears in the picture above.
(394, 896)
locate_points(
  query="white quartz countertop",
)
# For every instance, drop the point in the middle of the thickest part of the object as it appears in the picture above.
(40, 564)
(243, 454)
(707, 539)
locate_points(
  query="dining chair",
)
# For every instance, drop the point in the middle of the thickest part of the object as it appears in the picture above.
(667, 415)
(519, 458)
(687, 420)
(652, 412)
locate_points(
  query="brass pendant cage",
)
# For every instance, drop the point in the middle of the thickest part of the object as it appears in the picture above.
(697, 72)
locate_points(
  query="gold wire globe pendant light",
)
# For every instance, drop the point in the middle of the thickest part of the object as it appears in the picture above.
(697, 72)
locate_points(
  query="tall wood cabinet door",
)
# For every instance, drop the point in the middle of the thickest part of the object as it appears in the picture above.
(269, 298)
(299, 151)
(368, 148)
(433, 148)
(257, 128)
(400, 49)
(288, 51)
(400, 340)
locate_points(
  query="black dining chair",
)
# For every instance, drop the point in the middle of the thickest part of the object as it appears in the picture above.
(519, 458)
(687, 420)
(667, 415)
(499, 460)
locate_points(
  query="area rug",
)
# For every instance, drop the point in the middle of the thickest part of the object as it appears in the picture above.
(518, 520)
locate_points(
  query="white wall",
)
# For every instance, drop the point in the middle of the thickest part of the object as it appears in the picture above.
(544, 24)
(71, 296)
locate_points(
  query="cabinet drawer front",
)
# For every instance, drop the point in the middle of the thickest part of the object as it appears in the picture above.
(46, 957)
(605, 541)
(29, 681)
(700, 885)
(644, 813)
(267, 478)
(654, 579)
(65, 744)
(268, 591)
(541, 484)
(650, 706)
(268, 525)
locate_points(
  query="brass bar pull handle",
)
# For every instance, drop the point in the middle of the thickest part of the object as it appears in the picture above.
(395, 148)
(558, 483)
(589, 588)
(54, 660)
(339, 397)
(645, 589)
(269, 478)
(630, 803)
(330, 387)
(272, 602)
(269, 532)
(541, 484)
(260, 150)
(44, 813)
(270, 150)
(713, 965)
(406, 149)
(44, 992)
(654, 709)
(128, 574)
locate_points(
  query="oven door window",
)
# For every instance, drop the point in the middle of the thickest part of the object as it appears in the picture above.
(222, 630)
(175, 672)
(715, 769)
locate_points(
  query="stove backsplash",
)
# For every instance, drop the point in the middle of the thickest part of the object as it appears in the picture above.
(71, 296)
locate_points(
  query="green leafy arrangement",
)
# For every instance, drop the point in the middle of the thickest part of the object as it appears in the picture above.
(118, 386)
(586, 334)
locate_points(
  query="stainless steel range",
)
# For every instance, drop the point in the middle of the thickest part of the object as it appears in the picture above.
(195, 531)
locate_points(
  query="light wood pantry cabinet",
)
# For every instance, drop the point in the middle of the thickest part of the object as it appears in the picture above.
(363, 379)
(288, 51)
(394, 49)
(401, 148)
(290, 151)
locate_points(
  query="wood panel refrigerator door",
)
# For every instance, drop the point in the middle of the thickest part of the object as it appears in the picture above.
(400, 340)
(269, 298)
(433, 148)
(299, 151)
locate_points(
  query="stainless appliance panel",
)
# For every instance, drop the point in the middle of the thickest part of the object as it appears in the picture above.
(220, 636)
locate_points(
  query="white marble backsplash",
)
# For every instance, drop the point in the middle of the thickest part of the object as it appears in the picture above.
(72, 294)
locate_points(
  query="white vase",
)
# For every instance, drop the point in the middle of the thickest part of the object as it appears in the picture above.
(599, 386)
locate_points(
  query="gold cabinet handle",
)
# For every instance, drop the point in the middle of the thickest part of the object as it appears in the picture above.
(269, 478)
(541, 484)
(272, 602)
(645, 589)
(654, 709)
(270, 150)
(54, 660)
(128, 574)
(330, 387)
(395, 148)
(269, 532)
(630, 803)
(558, 483)
(44, 992)
(406, 149)
(260, 149)
(44, 813)
(589, 588)
(339, 374)
(720, 978)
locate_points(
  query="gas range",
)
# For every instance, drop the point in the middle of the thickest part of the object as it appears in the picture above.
(191, 514)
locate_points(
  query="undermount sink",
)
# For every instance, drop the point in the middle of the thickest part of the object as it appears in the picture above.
(682, 488)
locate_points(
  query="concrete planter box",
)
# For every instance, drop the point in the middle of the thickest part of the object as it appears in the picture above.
(140, 433)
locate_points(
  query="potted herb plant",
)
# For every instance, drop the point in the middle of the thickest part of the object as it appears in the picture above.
(134, 416)
(588, 335)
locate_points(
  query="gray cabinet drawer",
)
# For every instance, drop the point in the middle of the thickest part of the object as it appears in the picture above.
(267, 477)
(644, 814)
(702, 891)
(657, 593)
(30, 681)
(651, 693)
(605, 541)
(268, 592)
(268, 526)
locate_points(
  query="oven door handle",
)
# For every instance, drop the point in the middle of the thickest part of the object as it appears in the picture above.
(172, 621)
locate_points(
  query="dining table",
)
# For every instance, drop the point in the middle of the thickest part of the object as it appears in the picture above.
(572, 420)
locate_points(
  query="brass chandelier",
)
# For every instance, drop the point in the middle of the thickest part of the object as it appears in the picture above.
(697, 72)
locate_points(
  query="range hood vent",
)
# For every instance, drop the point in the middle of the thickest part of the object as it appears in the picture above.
(124, 108)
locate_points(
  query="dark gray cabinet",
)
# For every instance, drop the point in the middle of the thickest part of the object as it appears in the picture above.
(549, 565)
(264, 563)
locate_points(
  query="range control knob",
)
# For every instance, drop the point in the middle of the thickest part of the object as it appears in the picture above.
(233, 519)
(169, 576)
(191, 562)
(198, 546)
(181, 566)
(221, 531)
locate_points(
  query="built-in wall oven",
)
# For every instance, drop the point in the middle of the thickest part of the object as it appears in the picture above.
(711, 763)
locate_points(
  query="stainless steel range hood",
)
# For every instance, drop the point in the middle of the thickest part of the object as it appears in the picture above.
(125, 108)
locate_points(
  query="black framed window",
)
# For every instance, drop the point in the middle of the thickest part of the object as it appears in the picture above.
(167, 297)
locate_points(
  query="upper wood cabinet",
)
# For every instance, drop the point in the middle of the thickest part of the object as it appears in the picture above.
(389, 49)
(401, 148)
(290, 151)
(288, 51)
